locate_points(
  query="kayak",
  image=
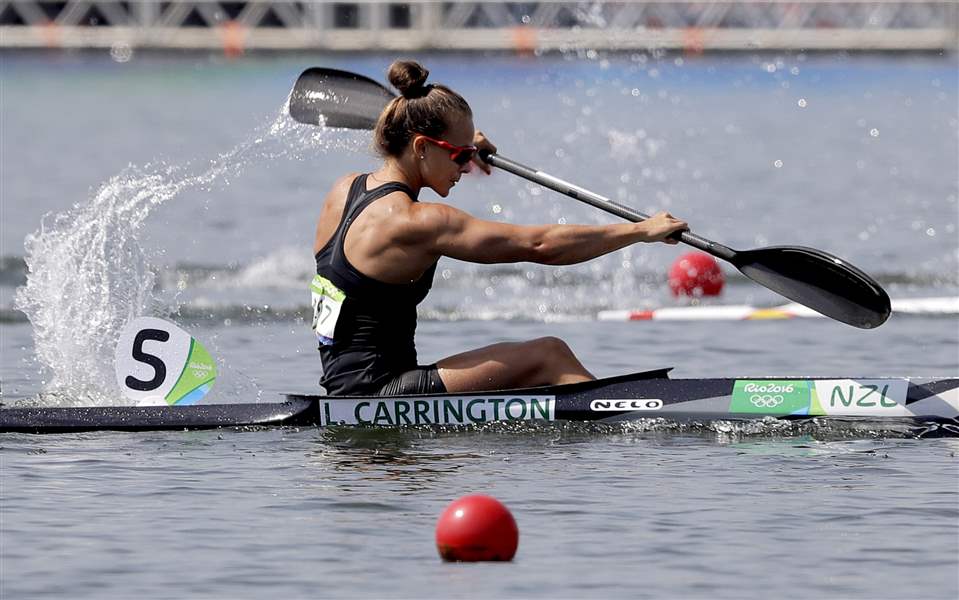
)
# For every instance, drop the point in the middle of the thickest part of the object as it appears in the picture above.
(645, 395)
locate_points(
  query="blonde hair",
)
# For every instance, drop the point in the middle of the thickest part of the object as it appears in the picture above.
(427, 109)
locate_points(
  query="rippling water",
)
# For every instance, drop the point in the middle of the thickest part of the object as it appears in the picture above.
(184, 191)
(323, 513)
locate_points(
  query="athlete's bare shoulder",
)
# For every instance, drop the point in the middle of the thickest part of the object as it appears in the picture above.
(437, 216)
(389, 216)
(341, 187)
(336, 197)
(332, 211)
(421, 223)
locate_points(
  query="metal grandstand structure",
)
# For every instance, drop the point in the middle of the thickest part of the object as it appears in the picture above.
(520, 26)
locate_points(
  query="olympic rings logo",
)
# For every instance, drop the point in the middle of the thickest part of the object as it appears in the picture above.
(766, 400)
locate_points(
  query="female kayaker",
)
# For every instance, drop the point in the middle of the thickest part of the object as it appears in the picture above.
(377, 246)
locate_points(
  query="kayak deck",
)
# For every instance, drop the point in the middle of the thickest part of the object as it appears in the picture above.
(650, 394)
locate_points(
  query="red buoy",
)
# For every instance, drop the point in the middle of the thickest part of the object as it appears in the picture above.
(475, 528)
(696, 274)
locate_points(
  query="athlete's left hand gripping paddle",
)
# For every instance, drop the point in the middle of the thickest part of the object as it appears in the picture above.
(157, 364)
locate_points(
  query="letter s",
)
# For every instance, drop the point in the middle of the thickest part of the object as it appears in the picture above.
(154, 361)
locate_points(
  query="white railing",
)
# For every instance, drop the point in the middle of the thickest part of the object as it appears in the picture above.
(527, 26)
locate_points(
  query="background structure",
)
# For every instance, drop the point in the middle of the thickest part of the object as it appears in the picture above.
(523, 26)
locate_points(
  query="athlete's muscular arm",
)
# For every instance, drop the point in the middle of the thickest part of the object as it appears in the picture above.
(456, 234)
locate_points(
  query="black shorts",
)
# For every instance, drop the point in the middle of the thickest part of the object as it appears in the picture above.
(421, 380)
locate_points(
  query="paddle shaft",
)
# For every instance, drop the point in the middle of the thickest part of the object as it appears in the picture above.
(601, 202)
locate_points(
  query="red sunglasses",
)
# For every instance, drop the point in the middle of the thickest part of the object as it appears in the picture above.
(458, 154)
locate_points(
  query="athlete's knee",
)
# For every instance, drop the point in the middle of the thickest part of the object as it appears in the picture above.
(552, 348)
(555, 360)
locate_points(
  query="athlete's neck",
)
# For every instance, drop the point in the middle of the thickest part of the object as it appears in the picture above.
(395, 170)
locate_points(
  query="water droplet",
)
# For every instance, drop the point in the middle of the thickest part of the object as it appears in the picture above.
(778, 164)
(931, 232)
(874, 132)
(635, 92)
(121, 52)
(802, 103)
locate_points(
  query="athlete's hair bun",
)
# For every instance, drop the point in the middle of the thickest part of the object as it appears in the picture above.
(435, 109)
(409, 77)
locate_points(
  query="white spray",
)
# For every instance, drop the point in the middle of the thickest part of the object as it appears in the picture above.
(88, 275)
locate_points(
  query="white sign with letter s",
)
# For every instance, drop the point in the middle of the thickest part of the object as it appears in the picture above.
(158, 364)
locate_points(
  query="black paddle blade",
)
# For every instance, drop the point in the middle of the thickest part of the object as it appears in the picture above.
(819, 280)
(337, 99)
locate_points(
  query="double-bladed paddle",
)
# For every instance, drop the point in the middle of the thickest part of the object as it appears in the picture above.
(817, 279)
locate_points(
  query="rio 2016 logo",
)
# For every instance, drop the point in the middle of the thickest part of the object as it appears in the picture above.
(775, 397)
(770, 388)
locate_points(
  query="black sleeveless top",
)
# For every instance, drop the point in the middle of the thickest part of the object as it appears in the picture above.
(373, 340)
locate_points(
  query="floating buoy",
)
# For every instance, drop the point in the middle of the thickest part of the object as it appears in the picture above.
(476, 528)
(524, 40)
(696, 274)
(234, 39)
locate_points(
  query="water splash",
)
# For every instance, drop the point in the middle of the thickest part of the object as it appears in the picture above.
(88, 274)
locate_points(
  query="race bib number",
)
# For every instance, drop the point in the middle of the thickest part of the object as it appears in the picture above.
(158, 364)
(327, 302)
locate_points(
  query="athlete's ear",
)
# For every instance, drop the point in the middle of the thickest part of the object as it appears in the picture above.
(419, 146)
